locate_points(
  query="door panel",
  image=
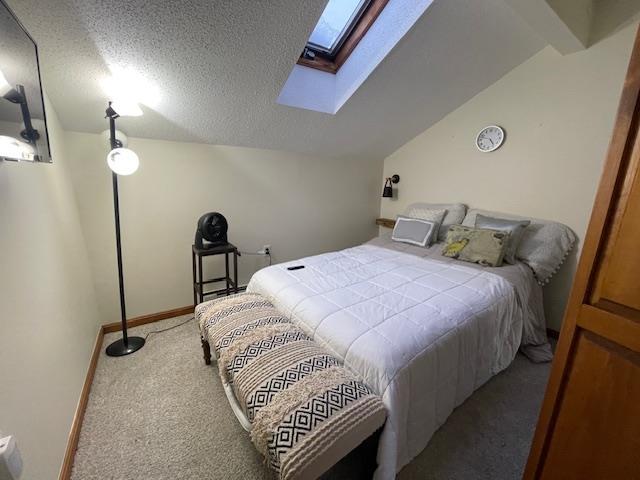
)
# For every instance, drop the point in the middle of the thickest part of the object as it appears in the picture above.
(598, 420)
(621, 275)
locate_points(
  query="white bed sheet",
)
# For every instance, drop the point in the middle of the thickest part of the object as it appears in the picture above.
(424, 333)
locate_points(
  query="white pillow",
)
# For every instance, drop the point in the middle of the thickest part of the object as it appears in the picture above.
(415, 231)
(454, 214)
(432, 214)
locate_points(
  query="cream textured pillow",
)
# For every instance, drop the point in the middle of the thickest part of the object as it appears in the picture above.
(455, 213)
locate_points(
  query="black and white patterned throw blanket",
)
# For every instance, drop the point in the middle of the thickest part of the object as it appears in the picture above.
(306, 410)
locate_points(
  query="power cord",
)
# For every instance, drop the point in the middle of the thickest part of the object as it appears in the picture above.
(153, 332)
(258, 255)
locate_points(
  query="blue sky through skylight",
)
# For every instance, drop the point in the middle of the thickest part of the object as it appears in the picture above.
(334, 21)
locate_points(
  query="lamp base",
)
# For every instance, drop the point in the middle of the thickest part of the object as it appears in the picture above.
(119, 349)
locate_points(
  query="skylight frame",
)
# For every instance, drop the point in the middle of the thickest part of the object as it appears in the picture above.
(344, 33)
(357, 29)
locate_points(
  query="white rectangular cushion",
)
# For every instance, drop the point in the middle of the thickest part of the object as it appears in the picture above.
(414, 230)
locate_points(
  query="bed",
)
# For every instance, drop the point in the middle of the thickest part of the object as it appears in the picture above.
(422, 330)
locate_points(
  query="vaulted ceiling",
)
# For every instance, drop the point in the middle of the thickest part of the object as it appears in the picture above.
(218, 67)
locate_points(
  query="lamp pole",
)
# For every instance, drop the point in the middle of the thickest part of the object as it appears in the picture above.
(126, 344)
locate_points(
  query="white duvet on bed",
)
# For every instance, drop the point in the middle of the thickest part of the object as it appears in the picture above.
(422, 332)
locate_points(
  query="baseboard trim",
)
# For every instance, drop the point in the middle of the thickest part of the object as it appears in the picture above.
(76, 425)
(144, 319)
(552, 333)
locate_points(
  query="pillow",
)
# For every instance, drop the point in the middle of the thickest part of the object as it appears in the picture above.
(476, 245)
(515, 228)
(544, 245)
(414, 230)
(431, 214)
(455, 213)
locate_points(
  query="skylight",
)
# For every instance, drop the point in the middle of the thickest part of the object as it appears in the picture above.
(322, 84)
(335, 23)
(342, 25)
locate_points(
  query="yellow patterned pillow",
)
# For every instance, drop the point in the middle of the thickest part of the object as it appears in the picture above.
(476, 245)
(453, 249)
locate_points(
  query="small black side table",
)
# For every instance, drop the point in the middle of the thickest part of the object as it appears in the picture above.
(199, 283)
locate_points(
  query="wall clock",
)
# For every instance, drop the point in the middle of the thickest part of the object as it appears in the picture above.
(490, 138)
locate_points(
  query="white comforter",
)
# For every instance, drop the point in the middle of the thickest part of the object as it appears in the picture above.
(422, 332)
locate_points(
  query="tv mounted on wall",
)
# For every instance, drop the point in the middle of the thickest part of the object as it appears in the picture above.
(23, 124)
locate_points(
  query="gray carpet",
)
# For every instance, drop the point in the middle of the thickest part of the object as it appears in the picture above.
(161, 414)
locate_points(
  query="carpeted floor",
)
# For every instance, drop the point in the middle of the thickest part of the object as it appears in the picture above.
(161, 414)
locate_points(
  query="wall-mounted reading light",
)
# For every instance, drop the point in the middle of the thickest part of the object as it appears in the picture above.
(387, 191)
(17, 95)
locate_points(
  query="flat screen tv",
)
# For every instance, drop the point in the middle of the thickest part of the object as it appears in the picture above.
(23, 124)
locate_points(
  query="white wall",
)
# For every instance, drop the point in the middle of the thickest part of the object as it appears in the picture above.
(300, 205)
(558, 112)
(48, 312)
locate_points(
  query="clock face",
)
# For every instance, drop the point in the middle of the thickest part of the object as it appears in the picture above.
(490, 138)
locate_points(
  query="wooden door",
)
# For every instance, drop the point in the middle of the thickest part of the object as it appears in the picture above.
(589, 425)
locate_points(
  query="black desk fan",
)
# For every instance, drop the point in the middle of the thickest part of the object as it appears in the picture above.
(211, 231)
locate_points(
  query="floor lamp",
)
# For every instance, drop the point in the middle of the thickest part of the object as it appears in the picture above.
(121, 161)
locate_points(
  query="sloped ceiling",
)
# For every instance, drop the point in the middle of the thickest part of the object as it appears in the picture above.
(220, 65)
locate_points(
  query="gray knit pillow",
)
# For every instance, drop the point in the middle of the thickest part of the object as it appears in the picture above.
(544, 245)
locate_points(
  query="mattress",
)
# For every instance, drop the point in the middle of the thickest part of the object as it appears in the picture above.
(422, 330)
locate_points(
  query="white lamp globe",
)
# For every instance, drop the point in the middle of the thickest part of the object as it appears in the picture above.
(15, 149)
(4, 85)
(123, 161)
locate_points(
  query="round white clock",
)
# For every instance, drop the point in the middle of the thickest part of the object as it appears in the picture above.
(490, 138)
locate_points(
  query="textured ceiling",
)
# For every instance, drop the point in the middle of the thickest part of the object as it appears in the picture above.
(220, 65)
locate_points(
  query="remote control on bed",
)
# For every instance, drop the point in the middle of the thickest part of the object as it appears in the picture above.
(297, 267)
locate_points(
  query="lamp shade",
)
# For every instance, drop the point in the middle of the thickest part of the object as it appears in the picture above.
(124, 140)
(127, 108)
(387, 191)
(123, 161)
(15, 149)
(4, 85)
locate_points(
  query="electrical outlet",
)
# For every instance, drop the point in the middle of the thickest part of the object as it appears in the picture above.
(266, 250)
